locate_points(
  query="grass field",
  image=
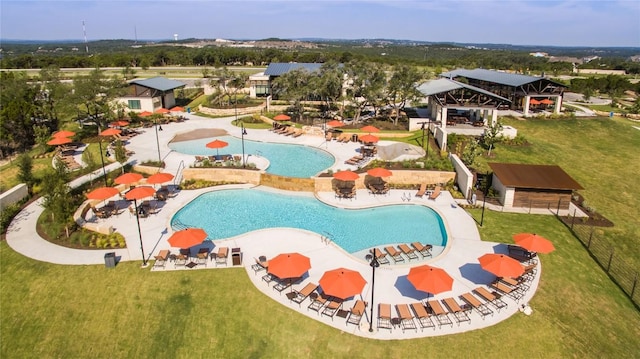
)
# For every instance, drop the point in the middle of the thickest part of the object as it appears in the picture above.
(91, 311)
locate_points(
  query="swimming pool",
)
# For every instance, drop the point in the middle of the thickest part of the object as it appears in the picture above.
(289, 160)
(228, 213)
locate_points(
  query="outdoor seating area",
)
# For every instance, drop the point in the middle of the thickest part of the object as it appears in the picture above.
(348, 192)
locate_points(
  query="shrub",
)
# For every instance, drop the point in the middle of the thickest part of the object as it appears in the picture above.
(7, 214)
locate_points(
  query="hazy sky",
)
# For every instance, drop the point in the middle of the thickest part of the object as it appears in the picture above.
(539, 22)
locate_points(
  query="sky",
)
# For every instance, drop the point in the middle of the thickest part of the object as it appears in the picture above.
(518, 22)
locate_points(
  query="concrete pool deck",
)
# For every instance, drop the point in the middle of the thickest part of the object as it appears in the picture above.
(460, 258)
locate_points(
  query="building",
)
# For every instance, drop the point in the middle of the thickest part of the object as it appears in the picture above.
(150, 94)
(260, 84)
(522, 90)
(533, 186)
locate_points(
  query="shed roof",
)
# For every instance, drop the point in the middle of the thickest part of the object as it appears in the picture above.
(498, 77)
(279, 68)
(445, 85)
(159, 83)
(533, 176)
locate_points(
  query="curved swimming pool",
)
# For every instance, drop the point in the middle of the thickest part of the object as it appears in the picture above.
(228, 213)
(288, 160)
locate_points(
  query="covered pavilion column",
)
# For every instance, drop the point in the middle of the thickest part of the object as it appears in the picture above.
(494, 117)
(558, 105)
(443, 117)
(525, 110)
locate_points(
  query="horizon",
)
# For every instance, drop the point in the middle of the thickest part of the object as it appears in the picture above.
(557, 23)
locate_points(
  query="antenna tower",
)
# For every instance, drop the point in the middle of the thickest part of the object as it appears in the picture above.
(84, 31)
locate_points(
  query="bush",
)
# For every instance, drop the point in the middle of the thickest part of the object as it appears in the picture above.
(7, 215)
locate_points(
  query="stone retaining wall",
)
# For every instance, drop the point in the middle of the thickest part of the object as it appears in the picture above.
(14, 195)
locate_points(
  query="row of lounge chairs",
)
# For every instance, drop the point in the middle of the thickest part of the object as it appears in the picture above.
(185, 259)
(68, 161)
(432, 195)
(398, 255)
(288, 131)
(345, 192)
(378, 188)
(356, 160)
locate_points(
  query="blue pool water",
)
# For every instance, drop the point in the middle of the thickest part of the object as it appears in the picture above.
(285, 159)
(228, 213)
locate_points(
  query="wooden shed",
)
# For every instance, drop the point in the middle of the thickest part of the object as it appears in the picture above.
(533, 186)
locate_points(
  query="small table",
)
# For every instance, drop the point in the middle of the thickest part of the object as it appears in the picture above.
(191, 264)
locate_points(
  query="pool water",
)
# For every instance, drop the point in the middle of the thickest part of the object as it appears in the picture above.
(228, 213)
(288, 160)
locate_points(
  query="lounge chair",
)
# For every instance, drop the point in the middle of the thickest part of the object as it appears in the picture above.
(380, 256)
(491, 298)
(406, 319)
(423, 317)
(356, 312)
(332, 307)
(519, 282)
(384, 316)
(201, 258)
(297, 133)
(268, 278)
(261, 264)
(161, 259)
(318, 302)
(422, 190)
(514, 292)
(435, 193)
(459, 314)
(441, 315)
(479, 307)
(408, 251)
(397, 257)
(100, 213)
(180, 261)
(221, 258)
(425, 251)
(300, 296)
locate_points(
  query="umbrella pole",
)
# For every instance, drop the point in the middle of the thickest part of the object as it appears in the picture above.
(144, 260)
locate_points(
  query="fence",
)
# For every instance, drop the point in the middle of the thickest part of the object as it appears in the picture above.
(621, 272)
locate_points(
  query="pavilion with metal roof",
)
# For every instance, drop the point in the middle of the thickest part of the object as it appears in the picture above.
(533, 186)
(261, 84)
(524, 91)
(151, 94)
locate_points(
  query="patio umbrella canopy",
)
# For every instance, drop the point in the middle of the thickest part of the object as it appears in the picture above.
(534, 243)
(145, 114)
(289, 265)
(57, 141)
(128, 178)
(369, 138)
(177, 109)
(140, 193)
(546, 101)
(430, 279)
(341, 283)
(379, 172)
(63, 134)
(162, 110)
(159, 178)
(533, 101)
(187, 238)
(217, 144)
(119, 123)
(370, 129)
(282, 117)
(110, 132)
(102, 193)
(346, 176)
(335, 123)
(501, 265)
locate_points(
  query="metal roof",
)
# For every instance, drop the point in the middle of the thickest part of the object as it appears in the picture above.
(159, 83)
(279, 68)
(498, 77)
(445, 85)
(533, 176)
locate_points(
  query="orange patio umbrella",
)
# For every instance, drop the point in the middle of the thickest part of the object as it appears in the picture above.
(119, 123)
(63, 133)
(282, 117)
(430, 279)
(145, 114)
(161, 110)
(128, 178)
(102, 193)
(110, 132)
(533, 101)
(346, 176)
(369, 138)
(289, 265)
(57, 141)
(159, 178)
(546, 101)
(534, 243)
(335, 123)
(341, 283)
(501, 265)
(177, 109)
(187, 238)
(379, 172)
(370, 129)
(217, 144)
(140, 193)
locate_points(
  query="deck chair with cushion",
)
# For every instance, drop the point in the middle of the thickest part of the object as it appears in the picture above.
(380, 256)
(269, 278)
(221, 257)
(424, 250)
(304, 293)
(435, 193)
(441, 315)
(384, 316)
(490, 298)
(422, 190)
(408, 251)
(459, 314)
(332, 307)
(423, 317)
(356, 312)
(397, 257)
(318, 302)
(283, 284)
(261, 264)
(161, 259)
(406, 319)
(514, 293)
(180, 261)
(479, 307)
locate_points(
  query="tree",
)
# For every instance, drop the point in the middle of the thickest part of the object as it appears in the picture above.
(470, 153)
(41, 134)
(329, 83)
(17, 112)
(492, 136)
(402, 88)
(25, 174)
(293, 86)
(96, 92)
(366, 84)
(53, 97)
(56, 195)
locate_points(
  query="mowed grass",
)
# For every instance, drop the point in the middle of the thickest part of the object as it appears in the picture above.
(91, 311)
(602, 155)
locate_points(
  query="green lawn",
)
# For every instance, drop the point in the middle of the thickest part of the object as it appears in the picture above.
(90, 311)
